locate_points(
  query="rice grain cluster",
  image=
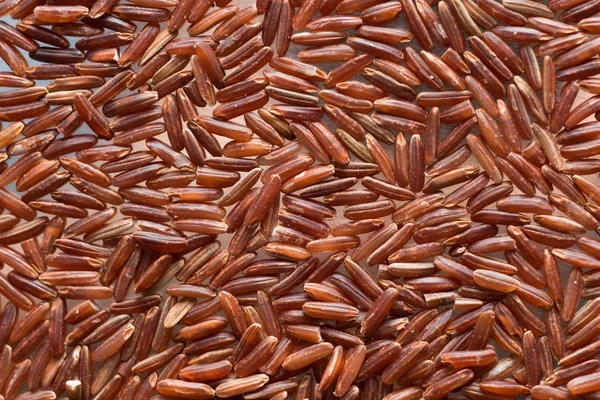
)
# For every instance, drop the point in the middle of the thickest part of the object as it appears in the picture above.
(300, 200)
